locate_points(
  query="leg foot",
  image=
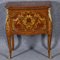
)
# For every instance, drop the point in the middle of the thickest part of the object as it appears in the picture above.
(49, 46)
(13, 42)
(9, 46)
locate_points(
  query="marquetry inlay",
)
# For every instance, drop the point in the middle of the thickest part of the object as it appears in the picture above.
(29, 20)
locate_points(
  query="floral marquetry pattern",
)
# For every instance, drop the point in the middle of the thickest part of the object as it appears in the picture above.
(29, 20)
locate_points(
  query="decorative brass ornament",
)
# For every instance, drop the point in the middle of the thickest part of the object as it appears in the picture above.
(49, 13)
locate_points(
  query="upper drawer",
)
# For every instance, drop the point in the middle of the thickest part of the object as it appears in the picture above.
(28, 20)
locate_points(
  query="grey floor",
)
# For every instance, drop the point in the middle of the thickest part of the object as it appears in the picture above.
(22, 51)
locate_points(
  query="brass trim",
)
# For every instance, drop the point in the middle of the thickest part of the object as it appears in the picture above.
(49, 13)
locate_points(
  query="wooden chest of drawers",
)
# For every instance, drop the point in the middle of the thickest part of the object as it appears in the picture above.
(28, 20)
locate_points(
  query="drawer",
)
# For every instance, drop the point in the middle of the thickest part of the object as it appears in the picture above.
(28, 20)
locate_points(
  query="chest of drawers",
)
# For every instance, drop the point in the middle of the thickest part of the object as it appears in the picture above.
(28, 20)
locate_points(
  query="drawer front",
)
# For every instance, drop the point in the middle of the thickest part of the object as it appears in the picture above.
(28, 20)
